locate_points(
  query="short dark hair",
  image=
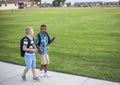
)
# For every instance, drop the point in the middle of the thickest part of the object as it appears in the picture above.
(43, 25)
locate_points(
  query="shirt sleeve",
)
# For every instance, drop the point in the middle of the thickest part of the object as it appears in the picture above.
(25, 42)
(49, 41)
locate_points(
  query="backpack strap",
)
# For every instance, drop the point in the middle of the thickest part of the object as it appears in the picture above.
(39, 39)
(29, 41)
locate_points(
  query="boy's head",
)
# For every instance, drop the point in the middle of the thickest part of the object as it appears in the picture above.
(43, 28)
(29, 31)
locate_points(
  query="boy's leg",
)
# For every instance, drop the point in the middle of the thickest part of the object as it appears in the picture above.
(41, 70)
(43, 61)
(28, 66)
(45, 68)
(34, 68)
(25, 71)
(41, 67)
(33, 65)
(46, 63)
(24, 74)
(34, 72)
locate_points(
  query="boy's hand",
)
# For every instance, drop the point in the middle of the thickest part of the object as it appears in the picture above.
(53, 37)
(40, 50)
(33, 50)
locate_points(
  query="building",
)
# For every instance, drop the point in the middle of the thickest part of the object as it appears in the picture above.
(111, 4)
(17, 4)
(8, 4)
(27, 4)
(88, 4)
(95, 4)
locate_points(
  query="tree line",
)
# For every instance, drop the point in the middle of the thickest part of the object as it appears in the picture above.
(57, 3)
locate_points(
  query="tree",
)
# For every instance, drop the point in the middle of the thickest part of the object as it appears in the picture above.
(57, 3)
(63, 2)
(68, 4)
(37, 0)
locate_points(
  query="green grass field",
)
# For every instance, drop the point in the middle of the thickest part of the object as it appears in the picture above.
(87, 39)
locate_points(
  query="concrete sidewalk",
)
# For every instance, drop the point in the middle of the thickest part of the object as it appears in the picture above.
(10, 74)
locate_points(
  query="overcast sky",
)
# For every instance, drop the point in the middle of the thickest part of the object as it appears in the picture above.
(72, 1)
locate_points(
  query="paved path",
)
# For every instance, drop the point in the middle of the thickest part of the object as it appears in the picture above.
(10, 74)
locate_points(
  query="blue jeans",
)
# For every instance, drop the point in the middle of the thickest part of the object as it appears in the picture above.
(30, 61)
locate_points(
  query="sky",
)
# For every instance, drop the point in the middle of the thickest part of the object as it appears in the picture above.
(72, 1)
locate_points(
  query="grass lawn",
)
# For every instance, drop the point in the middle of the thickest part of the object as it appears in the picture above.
(87, 39)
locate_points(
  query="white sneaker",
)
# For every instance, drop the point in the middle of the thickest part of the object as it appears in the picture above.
(47, 74)
(41, 73)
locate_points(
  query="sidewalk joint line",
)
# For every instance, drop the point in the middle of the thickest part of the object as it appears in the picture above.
(85, 81)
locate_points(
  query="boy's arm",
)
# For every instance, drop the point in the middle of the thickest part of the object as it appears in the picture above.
(38, 49)
(37, 46)
(28, 49)
(50, 40)
(25, 44)
(36, 42)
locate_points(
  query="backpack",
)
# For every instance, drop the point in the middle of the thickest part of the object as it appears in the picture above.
(22, 52)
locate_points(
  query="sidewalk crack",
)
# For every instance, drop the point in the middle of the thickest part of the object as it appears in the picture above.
(85, 81)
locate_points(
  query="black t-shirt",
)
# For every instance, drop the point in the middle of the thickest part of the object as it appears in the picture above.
(26, 42)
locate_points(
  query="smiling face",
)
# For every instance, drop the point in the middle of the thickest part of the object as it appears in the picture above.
(43, 29)
(31, 32)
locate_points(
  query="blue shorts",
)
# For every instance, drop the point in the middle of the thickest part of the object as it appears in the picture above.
(30, 61)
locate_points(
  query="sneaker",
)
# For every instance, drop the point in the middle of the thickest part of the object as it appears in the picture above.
(47, 74)
(23, 78)
(36, 78)
(41, 73)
